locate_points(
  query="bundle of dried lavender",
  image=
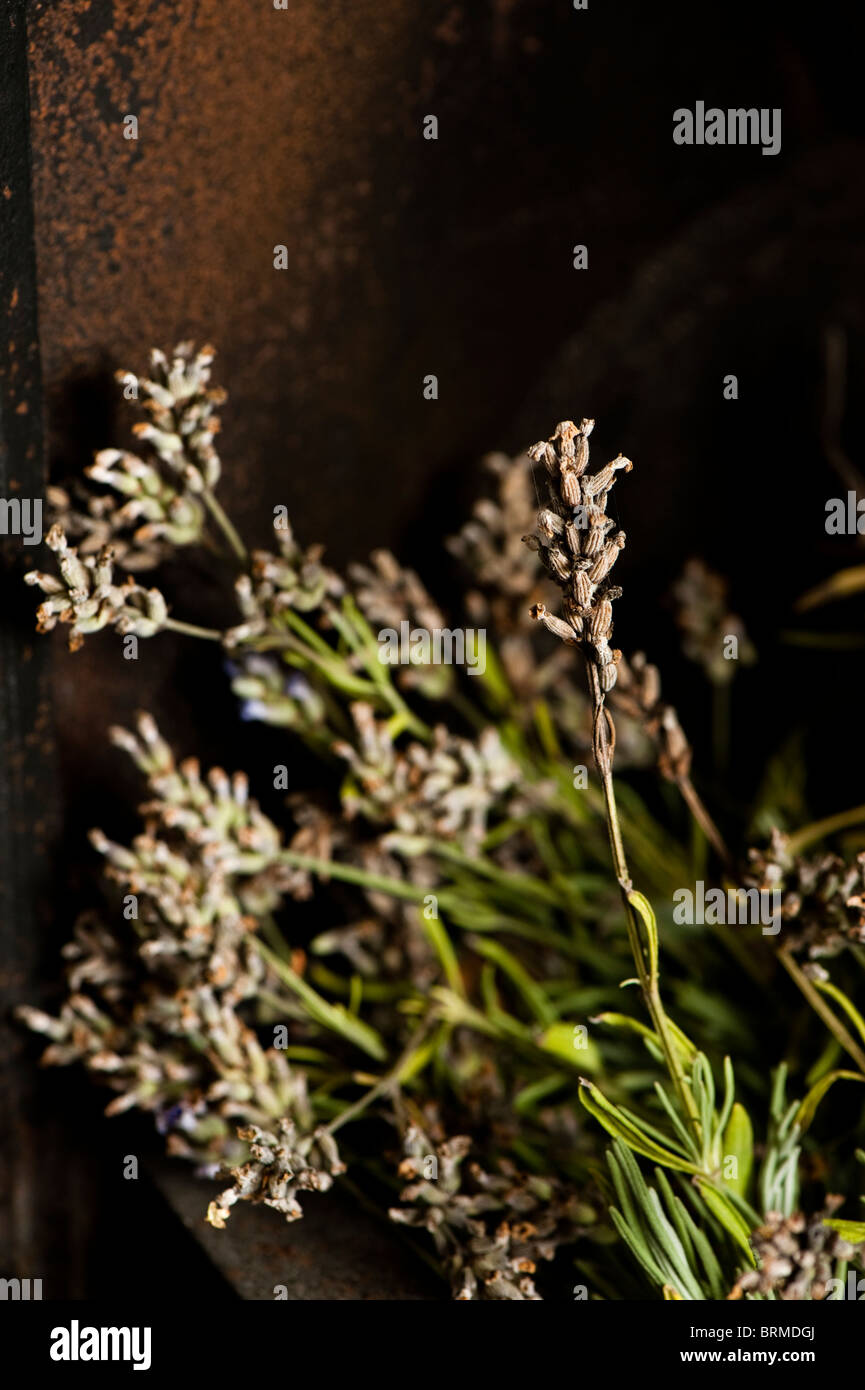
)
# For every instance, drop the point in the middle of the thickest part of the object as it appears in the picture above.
(477, 941)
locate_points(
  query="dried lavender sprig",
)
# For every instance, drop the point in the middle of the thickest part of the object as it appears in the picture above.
(575, 549)
(167, 498)
(485, 544)
(183, 423)
(576, 546)
(443, 789)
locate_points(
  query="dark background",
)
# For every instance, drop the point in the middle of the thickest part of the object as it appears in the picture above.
(406, 257)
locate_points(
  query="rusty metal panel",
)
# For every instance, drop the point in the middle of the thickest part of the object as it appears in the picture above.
(335, 1253)
(37, 1218)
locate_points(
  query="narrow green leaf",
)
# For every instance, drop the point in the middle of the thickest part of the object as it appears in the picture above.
(668, 1240)
(667, 1250)
(808, 1108)
(559, 1040)
(332, 1016)
(616, 1124)
(643, 907)
(638, 1248)
(684, 1220)
(729, 1095)
(738, 1143)
(526, 1099)
(675, 1119)
(531, 991)
(827, 987)
(725, 1213)
(675, 1214)
(686, 1049)
(436, 933)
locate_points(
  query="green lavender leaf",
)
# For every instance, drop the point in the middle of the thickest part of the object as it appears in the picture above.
(620, 1127)
(644, 908)
(738, 1143)
(726, 1214)
(559, 1040)
(808, 1108)
(827, 987)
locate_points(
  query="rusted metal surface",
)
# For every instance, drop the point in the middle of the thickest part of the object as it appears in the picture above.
(302, 127)
(334, 1253)
(257, 127)
(37, 1225)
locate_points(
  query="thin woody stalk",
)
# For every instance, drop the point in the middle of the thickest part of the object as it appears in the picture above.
(226, 526)
(392, 1080)
(578, 548)
(821, 1008)
(604, 743)
(696, 806)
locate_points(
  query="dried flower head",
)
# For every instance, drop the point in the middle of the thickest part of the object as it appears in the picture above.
(292, 579)
(281, 1166)
(507, 579)
(388, 594)
(447, 788)
(578, 546)
(164, 514)
(183, 1055)
(204, 868)
(823, 898)
(491, 546)
(638, 695)
(181, 405)
(96, 520)
(796, 1256)
(87, 598)
(272, 693)
(490, 1230)
(702, 614)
